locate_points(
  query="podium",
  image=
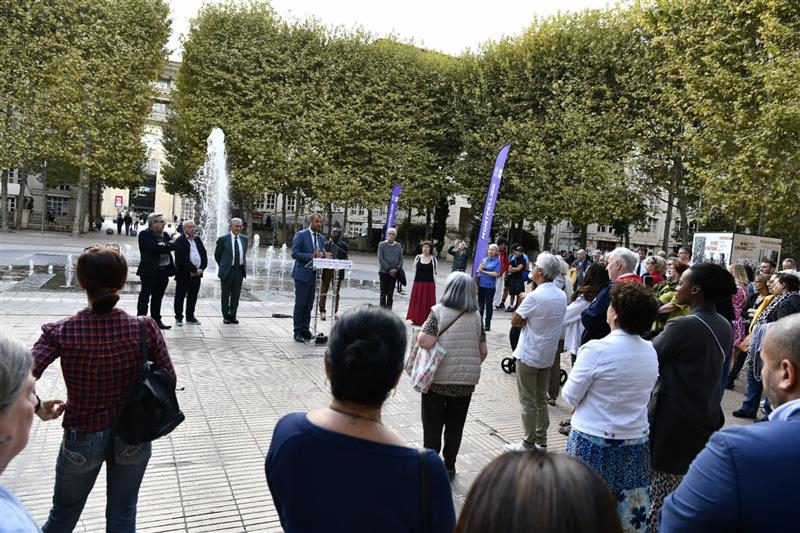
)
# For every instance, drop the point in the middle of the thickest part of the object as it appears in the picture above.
(319, 264)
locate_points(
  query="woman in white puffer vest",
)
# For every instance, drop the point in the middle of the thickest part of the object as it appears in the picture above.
(455, 324)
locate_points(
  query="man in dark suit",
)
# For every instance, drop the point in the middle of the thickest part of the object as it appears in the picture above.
(190, 263)
(306, 245)
(230, 254)
(746, 477)
(155, 267)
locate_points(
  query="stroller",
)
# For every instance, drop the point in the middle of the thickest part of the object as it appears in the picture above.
(509, 364)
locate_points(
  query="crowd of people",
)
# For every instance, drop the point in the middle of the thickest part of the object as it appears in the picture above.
(653, 341)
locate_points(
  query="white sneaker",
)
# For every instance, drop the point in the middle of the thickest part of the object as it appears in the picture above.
(179, 322)
(541, 447)
(516, 447)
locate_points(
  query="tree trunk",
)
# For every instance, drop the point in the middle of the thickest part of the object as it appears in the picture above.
(296, 211)
(98, 202)
(427, 223)
(90, 203)
(77, 221)
(4, 196)
(23, 182)
(345, 219)
(440, 224)
(284, 232)
(668, 217)
(330, 218)
(584, 236)
(762, 215)
(44, 197)
(548, 234)
(627, 235)
(407, 230)
(682, 207)
(369, 229)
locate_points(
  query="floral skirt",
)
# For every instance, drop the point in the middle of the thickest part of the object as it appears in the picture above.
(423, 297)
(625, 467)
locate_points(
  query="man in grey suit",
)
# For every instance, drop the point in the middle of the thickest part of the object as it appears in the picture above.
(231, 254)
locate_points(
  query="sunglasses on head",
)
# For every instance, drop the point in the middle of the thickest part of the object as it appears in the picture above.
(114, 246)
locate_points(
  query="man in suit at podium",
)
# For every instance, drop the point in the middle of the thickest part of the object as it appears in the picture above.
(230, 254)
(306, 245)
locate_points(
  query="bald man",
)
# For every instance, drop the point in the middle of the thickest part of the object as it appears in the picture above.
(746, 477)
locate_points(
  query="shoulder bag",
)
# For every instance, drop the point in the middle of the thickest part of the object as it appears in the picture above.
(151, 408)
(422, 364)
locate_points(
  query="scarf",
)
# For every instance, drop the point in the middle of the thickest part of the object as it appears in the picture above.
(759, 322)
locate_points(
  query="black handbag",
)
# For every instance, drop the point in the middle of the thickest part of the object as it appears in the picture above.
(151, 408)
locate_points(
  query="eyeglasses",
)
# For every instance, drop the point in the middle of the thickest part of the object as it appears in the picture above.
(114, 246)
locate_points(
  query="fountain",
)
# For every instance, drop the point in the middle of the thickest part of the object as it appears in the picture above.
(128, 252)
(68, 266)
(30, 267)
(10, 268)
(270, 257)
(49, 269)
(211, 184)
(256, 242)
(282, 258)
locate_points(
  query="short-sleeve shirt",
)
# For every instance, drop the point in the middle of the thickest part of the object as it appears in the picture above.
(321, 480)
(544, 311)
(492, 264)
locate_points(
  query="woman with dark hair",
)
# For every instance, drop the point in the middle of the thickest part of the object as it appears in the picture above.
(685, 408)
(610, 386)
(340, 467)
(520, 492)
(423, 291)
(785, 301)
(101, 358)
(456, 325)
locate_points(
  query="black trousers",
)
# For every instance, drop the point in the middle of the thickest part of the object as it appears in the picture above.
(448, 413)
(231, 290)
(152, 291)
(186, 287)
(387, 289)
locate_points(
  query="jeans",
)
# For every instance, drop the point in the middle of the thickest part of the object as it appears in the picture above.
(303, 305)
(532, 389)
(753, 395)
(387, 290)
(448, 413)
(485, 305)
(79, 461)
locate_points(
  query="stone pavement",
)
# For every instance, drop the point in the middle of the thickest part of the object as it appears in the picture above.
(235, 382)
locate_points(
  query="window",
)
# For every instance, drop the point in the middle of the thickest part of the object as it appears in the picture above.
(337, 208)
(58, 205)
(355, 230)
(653, 225)
(678, 226)
(270, 199)
(601, 229)
(187, 208)
(12, 203)
(379, 212)
(358, 211)
(12, 175)
(291, 203)
(63, 187)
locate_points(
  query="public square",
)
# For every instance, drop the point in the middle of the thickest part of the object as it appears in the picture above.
(235, 382)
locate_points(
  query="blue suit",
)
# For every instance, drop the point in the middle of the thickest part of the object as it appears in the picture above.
(746, 479)
(303, 248)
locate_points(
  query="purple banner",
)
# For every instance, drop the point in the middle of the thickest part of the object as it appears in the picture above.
(488, 208)
(391, 212)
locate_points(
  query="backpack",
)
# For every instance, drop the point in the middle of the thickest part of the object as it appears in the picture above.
(151, 408)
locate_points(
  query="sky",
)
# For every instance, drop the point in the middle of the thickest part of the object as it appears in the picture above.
(448, 26)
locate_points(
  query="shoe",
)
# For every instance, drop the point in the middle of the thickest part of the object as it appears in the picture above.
(307, 335)
(487, 330)
(741, 413)
(451, 472)
(500, 307)
(322, 315)
(233, 320)
(178, 322)
(299, 338)
(510, 309)
(226, 320)
(565, 423)
(541, 447)
(564, 430)
(516, 447)
(193, 321)
(551, 402)
(161, 325)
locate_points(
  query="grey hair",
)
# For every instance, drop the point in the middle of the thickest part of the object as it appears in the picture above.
(190, 221)
(659, 262)
(235, 219)
(391, 230)
(792, 261)
(460, 293)
(627, 257)
(494, 247)
(15, 366)
(549, 265)
(152, 218)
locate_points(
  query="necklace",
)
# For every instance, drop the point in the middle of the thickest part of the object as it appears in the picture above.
(354, 416)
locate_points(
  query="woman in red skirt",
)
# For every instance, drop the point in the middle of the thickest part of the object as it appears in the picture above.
(423, 292)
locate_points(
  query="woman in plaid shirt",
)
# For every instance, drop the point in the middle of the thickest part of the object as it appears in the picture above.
(100, 359)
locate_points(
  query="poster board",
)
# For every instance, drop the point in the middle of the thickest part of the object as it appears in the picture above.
(734, 248)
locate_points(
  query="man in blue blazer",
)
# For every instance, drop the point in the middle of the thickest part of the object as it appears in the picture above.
(306, 245)
(231, 256)
(746, 478)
